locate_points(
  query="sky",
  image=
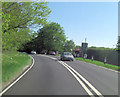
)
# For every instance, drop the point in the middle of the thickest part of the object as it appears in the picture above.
(96, 21)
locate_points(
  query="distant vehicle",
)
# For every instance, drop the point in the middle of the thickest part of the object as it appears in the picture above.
(52, 53)
(33, 52)
(25, 52)
(66, 56)
(42, 52)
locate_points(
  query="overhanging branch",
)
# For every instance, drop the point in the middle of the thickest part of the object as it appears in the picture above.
(18, 26)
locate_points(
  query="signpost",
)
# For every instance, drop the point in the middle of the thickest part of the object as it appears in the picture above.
(84, 48)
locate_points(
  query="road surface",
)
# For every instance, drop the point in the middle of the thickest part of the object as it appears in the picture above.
(53, 77)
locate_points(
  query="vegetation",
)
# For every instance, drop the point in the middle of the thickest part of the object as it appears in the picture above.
(50, 37)
(100, 63)
(18, 18)
(13, 63)
(103, 48)
(100, 48)
(100, 53)
(69, 45)
(77, 47)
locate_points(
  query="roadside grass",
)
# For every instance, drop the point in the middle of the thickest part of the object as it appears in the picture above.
(109, 66)
(59, 54)
(13, 64)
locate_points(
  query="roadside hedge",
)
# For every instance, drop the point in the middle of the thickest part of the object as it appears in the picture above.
(111, 55)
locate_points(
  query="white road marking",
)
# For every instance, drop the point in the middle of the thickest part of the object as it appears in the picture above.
(82, 84)
(101, 67)
(18, 78)
(91, 86)
(75, 74)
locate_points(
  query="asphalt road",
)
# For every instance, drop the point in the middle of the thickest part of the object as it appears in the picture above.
(49, 77)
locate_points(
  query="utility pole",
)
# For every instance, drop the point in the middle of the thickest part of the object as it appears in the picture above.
(84, 48)
(85, 40)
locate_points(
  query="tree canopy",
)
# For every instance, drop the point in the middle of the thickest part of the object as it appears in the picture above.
(50, 37)
(77, 47)
(69, 45)
(18, 18)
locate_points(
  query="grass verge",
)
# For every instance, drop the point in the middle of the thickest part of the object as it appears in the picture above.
(109, 66)
(13, 63)
(59, 54)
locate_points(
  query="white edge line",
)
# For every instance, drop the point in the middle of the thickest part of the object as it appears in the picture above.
(87, 63)
(18, 78)
(100, 66)
(91, 86)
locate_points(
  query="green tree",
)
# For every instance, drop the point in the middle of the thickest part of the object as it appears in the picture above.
(69, 45)
(18, 18)
(50, 37)
(77, 47)
(13, 41)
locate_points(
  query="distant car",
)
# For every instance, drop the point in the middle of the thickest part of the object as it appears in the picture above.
(42, 52)
(25, 52)
(33, 52)
(66, 56)
(52, 53)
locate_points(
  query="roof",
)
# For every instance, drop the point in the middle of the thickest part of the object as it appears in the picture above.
(77, 50)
